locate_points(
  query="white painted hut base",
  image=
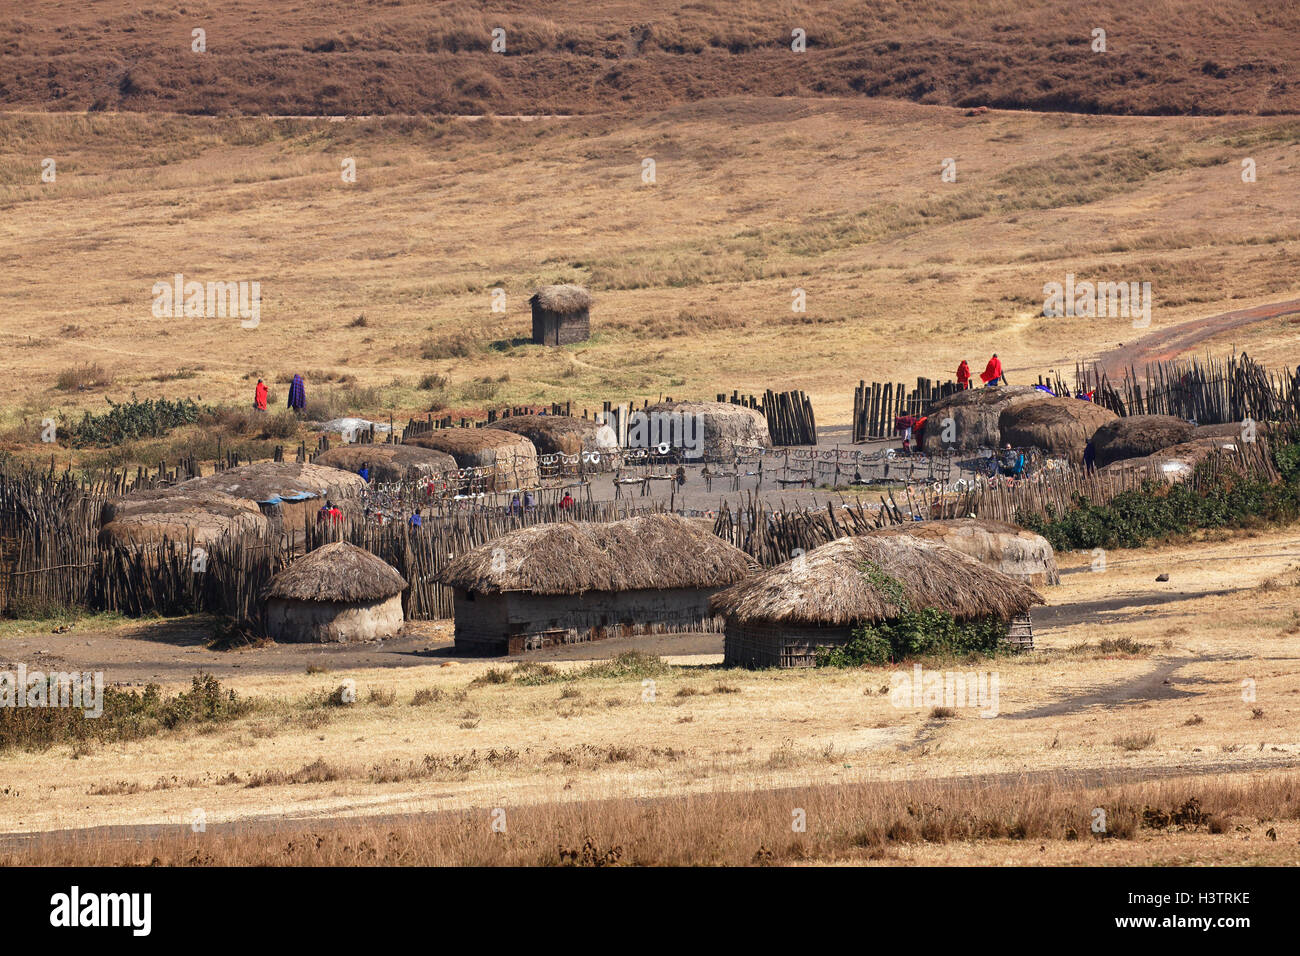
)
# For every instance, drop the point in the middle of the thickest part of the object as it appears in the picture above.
(327, 622)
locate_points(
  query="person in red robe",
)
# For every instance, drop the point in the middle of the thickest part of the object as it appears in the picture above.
(259, 396)
(963, 375)
(993, 374)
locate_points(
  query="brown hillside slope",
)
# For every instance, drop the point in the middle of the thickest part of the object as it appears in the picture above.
(1197, 56)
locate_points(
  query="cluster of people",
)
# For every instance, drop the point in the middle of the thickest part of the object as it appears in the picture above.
(297, 395)
(992, 374)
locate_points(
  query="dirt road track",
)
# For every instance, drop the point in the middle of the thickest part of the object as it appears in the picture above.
(1171, 342)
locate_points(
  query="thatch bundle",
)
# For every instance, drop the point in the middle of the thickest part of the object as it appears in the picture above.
(647, 552)
(149, 517)
(274, 482)
(337, 573)
(561, 434)
(1175, 463)
(389, 462)
(1059, 426)
(1137, 436)
(725, 426)
(1231, 431)
(513, 457)
(852, 581)
(996, 544)
(562, 299)
(975, 413)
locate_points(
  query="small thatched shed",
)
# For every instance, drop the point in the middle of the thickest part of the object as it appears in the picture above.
(975, 414)
(1137, 436)
(389, 462)
(180, 517)
(563, 434)
(996, 544)
(724, 427)
(573, 582)
(337, 594)
(780, 617)
(1059, 426)
(511, 459)
(561, 315)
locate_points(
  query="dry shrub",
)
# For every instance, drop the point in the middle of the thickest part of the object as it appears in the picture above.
(79, 378)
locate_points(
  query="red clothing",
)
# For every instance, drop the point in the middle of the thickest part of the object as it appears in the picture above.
(993, 371)
(566, 502)
(336, 515)
(963, 374)
(259, 396)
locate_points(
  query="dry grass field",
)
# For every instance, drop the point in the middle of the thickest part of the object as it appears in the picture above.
(692, 276)
(1134, 699)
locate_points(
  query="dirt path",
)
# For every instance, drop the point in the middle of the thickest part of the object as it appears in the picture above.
(1171, 342)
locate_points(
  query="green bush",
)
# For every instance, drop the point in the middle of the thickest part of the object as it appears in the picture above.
(911, 634)
(126, 421)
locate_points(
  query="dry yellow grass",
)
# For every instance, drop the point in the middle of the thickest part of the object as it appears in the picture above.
(692, 276)
(709, 730)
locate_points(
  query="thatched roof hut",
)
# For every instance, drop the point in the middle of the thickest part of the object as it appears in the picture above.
(336, 594)
(178, 516)
(646, 552)
(1059, 426)
(561, 315)
(286, 491)
(783, 615)
(725, 426)
(975, 413)
(573, 582)
(389, 462)
(1004, 547)
(561, 434)
(510, 458)
(1137, 436)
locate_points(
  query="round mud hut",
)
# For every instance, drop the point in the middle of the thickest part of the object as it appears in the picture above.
(572, 582)
(288, 493)
(183, 518)
(564, 435)
(1004, 547)
(1062, 427)
(509, 460)
(336, 595)
(1138, 436)
(561, 315)
(783, 616)
(975, 414)
(389, 462)
(716, 429)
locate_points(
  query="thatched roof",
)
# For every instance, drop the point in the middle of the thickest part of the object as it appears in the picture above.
(564, 434)
(725, 425)
(389, 462)
(1059, 426)
(270, 482)
(513, 456)
(847, 582)
(1175, 462)
(148, 517)
(996, 544)
(1137, 436)
(975, 413)
(337, 573)
(562, 299)
(648, 552)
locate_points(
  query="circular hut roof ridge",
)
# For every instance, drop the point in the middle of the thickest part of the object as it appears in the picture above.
(274, 481)
(337, 573)
(835, 586)
(647, 552)
(1136, 436)
(562, 299)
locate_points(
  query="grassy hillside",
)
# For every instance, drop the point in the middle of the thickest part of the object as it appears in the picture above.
(390, 56)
